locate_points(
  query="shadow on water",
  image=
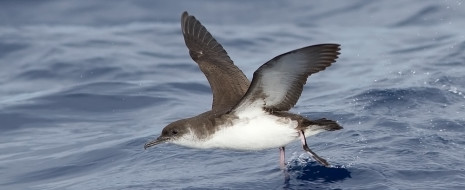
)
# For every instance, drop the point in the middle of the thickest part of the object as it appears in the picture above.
(313, 174)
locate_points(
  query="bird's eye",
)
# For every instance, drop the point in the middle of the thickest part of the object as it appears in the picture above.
(174, 132)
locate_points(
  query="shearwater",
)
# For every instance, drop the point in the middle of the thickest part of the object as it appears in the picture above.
(250, 115)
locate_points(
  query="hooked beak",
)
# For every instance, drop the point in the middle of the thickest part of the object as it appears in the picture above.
(159, 140)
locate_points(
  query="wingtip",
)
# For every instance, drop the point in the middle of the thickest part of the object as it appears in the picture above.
(184, 14)
(336, 47)
(184, 18)
(332, 45)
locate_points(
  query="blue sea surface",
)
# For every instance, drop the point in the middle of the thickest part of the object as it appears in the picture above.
(84, 84)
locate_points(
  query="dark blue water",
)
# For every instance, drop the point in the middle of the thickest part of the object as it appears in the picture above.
(84, 84)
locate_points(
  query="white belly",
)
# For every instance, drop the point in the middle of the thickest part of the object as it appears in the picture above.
(254, 132)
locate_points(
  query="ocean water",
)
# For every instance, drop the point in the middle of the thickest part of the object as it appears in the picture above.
(84, 84)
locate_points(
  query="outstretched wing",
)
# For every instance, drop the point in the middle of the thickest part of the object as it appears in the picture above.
(227, 81)
(278, 84)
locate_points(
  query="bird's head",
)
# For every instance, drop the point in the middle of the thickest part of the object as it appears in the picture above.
(171, 133)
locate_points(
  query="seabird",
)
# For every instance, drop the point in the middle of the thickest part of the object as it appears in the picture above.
(250, 115)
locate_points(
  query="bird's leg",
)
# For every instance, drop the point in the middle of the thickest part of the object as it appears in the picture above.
(314, 155)
(282, 157)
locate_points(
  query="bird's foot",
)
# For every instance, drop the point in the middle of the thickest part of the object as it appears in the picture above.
(282, 158)
(319, 159)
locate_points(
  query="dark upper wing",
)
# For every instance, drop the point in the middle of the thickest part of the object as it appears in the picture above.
(278, 84)
(227, 82)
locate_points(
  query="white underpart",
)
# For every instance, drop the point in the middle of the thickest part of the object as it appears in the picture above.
(254, 130)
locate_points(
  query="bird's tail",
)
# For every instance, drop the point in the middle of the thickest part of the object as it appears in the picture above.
(313, 127)
(323, 123)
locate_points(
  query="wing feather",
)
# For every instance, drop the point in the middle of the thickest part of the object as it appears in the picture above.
(278, 84)
(227, 81)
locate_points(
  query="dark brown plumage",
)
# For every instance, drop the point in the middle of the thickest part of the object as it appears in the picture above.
(275, 88)
(224, 77)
